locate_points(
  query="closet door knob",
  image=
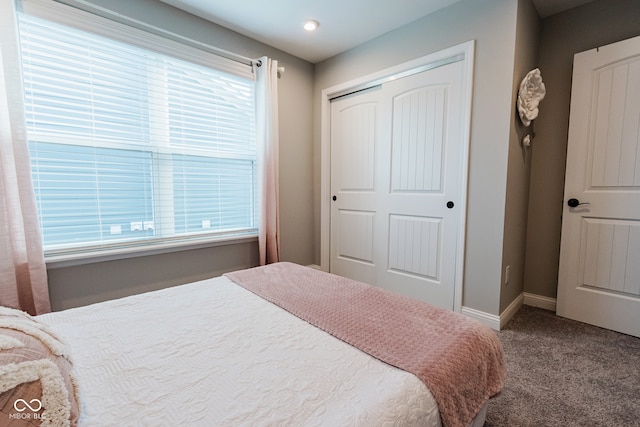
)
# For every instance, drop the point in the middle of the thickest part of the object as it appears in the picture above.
(334, 198)
(450, 204)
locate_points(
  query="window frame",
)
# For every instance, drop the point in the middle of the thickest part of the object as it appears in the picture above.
(191, 51)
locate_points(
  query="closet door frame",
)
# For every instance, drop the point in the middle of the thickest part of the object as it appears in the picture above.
(462, 52)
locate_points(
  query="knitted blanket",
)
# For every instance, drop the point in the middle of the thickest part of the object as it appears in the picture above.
(37, 385)
(458, 358)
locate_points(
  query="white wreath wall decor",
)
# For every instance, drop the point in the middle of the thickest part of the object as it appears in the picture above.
(532, 91)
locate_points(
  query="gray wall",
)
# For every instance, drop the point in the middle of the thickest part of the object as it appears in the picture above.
(84, 284)
(78, 285)
(595, 24)
(519, 160)
(492, 23)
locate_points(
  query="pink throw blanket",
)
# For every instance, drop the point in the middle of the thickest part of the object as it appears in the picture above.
(458, 358)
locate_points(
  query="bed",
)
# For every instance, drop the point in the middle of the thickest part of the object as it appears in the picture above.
(271, 346)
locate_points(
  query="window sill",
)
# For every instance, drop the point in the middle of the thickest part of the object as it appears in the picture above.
(75, 259)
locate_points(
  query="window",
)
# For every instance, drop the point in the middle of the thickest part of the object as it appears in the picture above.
(133, 147)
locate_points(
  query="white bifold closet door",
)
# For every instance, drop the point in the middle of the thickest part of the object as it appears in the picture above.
(396, 169)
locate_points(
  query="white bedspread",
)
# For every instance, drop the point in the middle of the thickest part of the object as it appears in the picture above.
(213, 354)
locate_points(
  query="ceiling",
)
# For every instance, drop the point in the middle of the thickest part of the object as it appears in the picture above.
(343, 24)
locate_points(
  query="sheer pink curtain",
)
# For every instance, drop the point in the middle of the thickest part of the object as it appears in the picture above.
(268, 153)
(23, 275)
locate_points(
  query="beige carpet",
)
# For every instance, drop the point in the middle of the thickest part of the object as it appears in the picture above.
(566, 373)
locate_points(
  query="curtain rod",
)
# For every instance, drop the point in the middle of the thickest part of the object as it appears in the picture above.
(99, 10)
(258, 63)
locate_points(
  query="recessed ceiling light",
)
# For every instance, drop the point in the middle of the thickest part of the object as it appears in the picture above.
(311, 25)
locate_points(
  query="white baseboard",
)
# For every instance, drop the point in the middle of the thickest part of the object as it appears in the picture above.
(498, 322)
(540, 301)
(491, 320)
(513, 308)
(316, 266)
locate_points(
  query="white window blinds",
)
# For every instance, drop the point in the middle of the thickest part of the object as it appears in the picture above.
(130, 146)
